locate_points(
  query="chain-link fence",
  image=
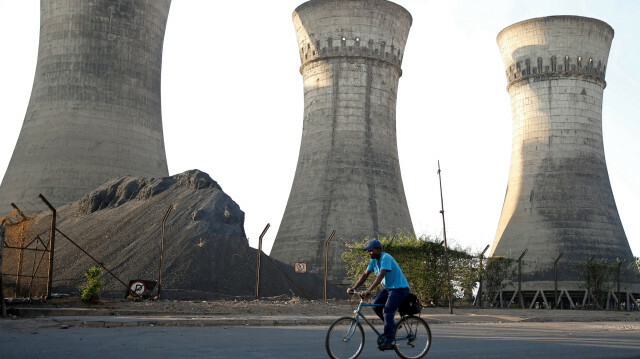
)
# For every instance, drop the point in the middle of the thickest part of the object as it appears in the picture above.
(26, 249)
(139, 249)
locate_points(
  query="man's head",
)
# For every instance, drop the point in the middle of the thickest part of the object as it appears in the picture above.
(374, 247)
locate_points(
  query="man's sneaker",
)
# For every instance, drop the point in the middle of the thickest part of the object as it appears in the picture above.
(386, 346)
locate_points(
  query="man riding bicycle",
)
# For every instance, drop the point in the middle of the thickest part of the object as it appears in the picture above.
(396, 288)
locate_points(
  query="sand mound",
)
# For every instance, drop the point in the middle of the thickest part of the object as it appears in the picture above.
(207, 255)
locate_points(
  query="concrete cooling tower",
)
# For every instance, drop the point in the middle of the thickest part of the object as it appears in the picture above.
(348, 174)
(94, 111)
(559, 197)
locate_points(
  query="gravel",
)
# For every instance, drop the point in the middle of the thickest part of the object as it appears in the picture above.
(206, 257)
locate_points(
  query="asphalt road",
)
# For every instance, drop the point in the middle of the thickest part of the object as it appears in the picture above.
(464, 340)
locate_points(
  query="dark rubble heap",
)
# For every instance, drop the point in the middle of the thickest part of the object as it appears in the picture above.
(207, 254)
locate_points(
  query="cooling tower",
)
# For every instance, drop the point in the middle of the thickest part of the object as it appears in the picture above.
(559, 197)
(348, 173)
(94, 111)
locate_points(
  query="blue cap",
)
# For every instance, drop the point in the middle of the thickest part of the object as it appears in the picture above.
(374, 243)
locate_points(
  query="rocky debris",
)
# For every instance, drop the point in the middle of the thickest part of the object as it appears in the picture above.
(207, 255)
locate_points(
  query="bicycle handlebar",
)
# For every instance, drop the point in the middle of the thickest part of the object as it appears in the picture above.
(358, 294)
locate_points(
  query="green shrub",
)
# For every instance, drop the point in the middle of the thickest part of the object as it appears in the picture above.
(598, 278)
(423, 264)
(91, 293)
(634, 269)
(499, 273)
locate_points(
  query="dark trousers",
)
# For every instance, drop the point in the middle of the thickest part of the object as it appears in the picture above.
(391, 298)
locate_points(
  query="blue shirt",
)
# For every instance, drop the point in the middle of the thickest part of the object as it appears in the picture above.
(394, 278)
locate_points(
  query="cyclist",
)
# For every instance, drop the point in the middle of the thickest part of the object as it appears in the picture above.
(396, 288)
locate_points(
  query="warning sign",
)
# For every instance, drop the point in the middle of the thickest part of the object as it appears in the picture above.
(140, 288)
(300, 267)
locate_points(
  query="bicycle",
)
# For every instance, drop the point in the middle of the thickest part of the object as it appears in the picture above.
(345, 337)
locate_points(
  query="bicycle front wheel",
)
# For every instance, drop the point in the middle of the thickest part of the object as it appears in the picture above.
(413, 338)
(345, 338)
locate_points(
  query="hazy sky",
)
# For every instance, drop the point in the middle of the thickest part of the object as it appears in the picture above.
(232, 104)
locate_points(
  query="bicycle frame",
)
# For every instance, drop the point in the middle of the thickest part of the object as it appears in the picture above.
(357, 314)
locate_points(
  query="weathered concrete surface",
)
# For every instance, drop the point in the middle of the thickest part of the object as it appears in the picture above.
(559, 197)
(348, 174)
(94, 111)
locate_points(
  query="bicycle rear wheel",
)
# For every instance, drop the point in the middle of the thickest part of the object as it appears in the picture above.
(345, 338)
(413, 338)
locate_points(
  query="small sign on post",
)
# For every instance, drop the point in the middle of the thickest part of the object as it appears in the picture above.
(140, 288)
(300, 267)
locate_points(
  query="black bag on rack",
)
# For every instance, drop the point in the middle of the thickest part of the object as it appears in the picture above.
(410, 306)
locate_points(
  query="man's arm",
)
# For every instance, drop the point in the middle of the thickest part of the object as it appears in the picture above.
(363, 278)
(377, 282)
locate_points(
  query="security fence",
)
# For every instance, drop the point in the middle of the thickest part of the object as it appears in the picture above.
(156, 258)
(161, 250)
(26, 255)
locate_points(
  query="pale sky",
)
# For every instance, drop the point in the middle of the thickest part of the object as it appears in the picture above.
(232, 104)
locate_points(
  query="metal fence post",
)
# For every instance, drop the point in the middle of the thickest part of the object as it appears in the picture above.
(161, 265)
(589, 295)
(520, 278)
(326, 263)
(555, 280)
(52, 240)
(259, 257)
(20, 252)
(480, 269)
(619, 293)
(3, 307)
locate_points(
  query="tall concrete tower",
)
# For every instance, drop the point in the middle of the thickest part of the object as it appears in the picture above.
(348, 173)
(559, 198)
(94, 111)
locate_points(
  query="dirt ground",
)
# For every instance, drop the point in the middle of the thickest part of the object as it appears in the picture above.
(269, 306)
(296, 306)
(282, 305)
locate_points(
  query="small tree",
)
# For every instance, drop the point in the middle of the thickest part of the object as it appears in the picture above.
(91, 293)
(597, 276)
(634, 268)
(467, 276)
(498, 274)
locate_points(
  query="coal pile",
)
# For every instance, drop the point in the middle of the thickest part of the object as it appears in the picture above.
(207, 255)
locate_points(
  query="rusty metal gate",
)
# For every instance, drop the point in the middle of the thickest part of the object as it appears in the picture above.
(26, 256)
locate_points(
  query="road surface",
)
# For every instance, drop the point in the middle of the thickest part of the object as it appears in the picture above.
(462, 340)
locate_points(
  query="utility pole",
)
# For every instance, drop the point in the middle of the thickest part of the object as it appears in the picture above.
(446, 251)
